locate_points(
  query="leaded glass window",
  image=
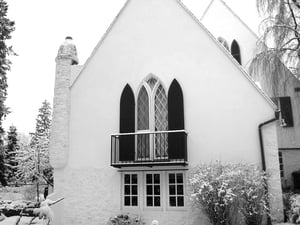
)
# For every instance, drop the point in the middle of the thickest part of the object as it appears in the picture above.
(161, 122)
(143, 144)
(152, 115)
(151, 81)
(143, 110)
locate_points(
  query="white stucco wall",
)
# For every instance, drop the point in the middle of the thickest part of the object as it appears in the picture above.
(162, 39)
(75, 71)
(289, 137)
(269, 136)
(221, 21)
(222, 107)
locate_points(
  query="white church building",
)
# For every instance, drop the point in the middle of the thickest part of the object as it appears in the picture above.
(158, 95)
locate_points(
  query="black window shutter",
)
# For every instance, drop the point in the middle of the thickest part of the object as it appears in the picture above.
(286, 110)
(176, 141)
(127, 125)
(235, 51)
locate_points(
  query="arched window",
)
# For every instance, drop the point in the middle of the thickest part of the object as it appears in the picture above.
(127, 124)
(143, 142)
(161, 121)
(143, 110)
(223, 42)
(152, 115)
(235, 51)
(148, 120)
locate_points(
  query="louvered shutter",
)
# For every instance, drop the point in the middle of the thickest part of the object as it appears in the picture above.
(176, 141)
(127, 125)
(235, 51)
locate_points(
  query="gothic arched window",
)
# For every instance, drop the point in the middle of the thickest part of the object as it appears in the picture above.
(223, 42)
(146, 124)
(235, 51)
(152, 115)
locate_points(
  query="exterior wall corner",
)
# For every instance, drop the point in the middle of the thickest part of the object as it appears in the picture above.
(273, 171)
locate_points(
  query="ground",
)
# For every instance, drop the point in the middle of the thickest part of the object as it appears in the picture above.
(24, 221)
(17, 194)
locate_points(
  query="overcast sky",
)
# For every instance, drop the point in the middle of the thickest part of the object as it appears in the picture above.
(41, 27)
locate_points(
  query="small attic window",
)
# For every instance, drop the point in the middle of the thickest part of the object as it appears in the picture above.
(235, 51)
(285, 106)
(286, 111)
(223, 42)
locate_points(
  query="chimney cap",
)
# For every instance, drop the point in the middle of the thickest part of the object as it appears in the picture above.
(68, 50)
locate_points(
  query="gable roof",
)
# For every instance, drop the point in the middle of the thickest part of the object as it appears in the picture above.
(100, 42)
(202, 28)
(242, 22)
(231, 11)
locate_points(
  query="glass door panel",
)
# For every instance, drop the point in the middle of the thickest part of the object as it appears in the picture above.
(161, 123)
(143, 140)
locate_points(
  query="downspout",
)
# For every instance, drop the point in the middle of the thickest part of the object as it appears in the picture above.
(263, 160)
(261, 141)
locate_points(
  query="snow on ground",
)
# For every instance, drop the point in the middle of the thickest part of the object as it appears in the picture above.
(24, 221)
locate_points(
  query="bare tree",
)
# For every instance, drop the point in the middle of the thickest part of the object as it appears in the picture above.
(280, 41)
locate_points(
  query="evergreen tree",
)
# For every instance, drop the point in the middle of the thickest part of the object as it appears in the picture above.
(11, 151)
(40, 142)
(280, 41)
(43, 124)
(26, 159)
(2, 167)
(7, 26)
(33, 156)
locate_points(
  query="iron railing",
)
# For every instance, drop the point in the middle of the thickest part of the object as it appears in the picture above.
(149, 148)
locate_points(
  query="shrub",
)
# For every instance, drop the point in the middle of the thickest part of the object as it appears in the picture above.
(124, 219)
(223, 190)
(252, 194)
(293, 208)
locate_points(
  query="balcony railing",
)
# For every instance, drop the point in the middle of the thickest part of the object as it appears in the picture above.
(149, 148)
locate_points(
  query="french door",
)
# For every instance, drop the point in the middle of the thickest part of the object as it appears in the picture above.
(152, 117)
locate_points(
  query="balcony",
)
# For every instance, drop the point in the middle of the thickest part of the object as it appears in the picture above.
(158, 148)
